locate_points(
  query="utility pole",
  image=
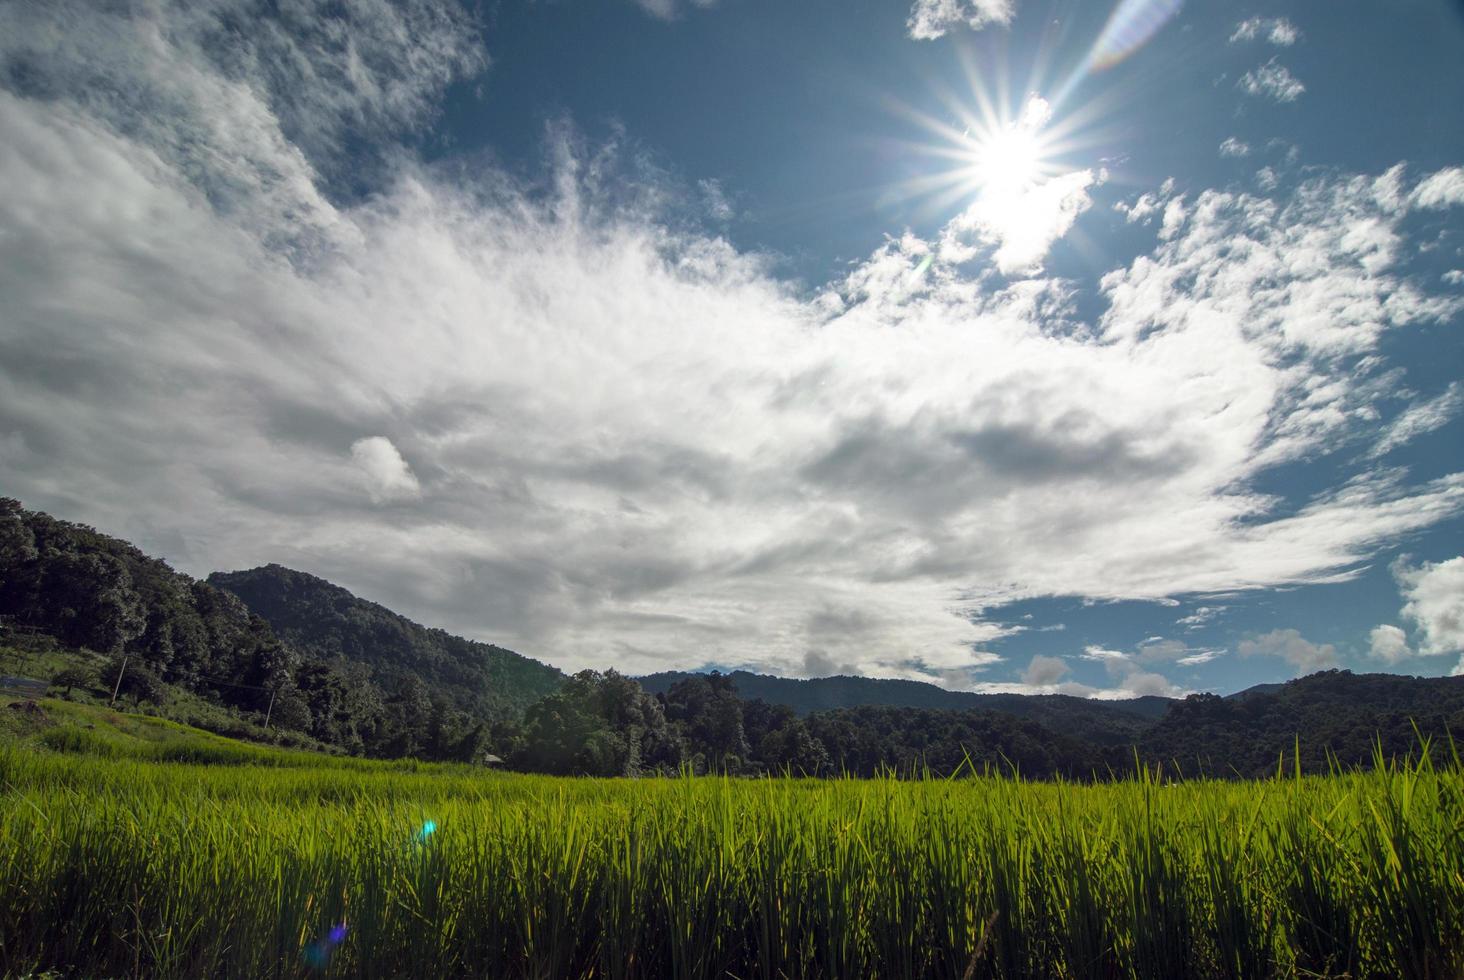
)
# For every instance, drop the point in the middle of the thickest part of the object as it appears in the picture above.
(113, 702)
(270, 710)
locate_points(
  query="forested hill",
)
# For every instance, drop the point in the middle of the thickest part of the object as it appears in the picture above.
(1101, 721)
(1335, 715)
(351, 675)
(325, 621)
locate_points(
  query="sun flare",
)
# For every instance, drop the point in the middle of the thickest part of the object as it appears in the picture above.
(1008, 156)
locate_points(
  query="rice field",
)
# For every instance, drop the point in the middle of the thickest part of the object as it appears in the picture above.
(119, 867)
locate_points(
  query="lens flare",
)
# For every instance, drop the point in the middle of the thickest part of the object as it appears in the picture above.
(317, 954)
(1132, 23)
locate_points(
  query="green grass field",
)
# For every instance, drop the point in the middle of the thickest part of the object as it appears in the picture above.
(137, 847)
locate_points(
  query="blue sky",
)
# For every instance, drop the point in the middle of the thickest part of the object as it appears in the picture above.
(1107, 349)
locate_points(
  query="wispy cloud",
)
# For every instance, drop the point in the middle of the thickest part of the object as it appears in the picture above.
(1202, 616)
(1272, 81)
(1420, 418)
(930, 19)
(1442, 189)
(1233, 147)
(1274, 30)
(670, 9)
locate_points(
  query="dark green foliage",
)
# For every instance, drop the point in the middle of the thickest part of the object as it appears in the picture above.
(72, 677)
(909, 741)
(707, 711)
(135, 680)
(326, 622)
(598, 725)
(1113, 725)
(1337, 717)
(828, 693)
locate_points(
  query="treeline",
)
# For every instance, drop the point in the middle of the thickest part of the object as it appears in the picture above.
(607, 725)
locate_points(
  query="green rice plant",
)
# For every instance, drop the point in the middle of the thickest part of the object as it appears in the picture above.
(129, 865)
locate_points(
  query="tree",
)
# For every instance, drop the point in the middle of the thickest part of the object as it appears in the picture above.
(597, 725)
(793, 749)
(73, 676)
(139, 681)
(707, 713)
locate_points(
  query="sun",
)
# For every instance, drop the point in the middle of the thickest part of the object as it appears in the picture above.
(1009, 156)
(1007, 161)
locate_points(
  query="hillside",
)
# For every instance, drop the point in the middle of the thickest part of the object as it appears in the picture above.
(104, 607)
(1334, 714)
(325, 621)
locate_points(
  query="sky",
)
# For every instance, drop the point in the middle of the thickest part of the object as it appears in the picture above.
(1104, 349)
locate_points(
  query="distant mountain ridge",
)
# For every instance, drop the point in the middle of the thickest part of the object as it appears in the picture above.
(326, 621)
(805, 695)
(1098, 721)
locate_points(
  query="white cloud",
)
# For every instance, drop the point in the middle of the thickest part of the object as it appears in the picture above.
(1434, 601)
(1292, 647)
(1140, 211)
(1388, 644)
(1020, 217)
(1103, 655)
(1454, 277)
(1420, 418)
(1233, 147)
(1147, 684)
(1045, 670)
(669, 9)
(1442, 189)
(1196, 659)
(1273, 81)
(630, 442)
(1133, 680)
(1275, 30)
(1174, 217)
(930, 19)
(1202, 616)
(1024, 225)
(1157, 649)
(386, 475)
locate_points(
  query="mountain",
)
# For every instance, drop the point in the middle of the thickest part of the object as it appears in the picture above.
(1100, 722)
(1335, 715)
(327, 622)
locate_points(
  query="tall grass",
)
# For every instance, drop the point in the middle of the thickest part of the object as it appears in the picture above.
(125, 867)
